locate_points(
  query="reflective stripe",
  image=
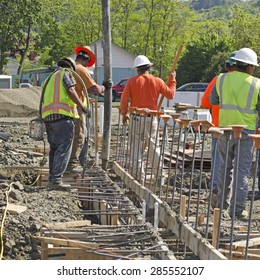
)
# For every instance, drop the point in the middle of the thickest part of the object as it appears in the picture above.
(60, 106)
(250, 95)
(241, 110)
(222, 77)
(57, 101)
(56, 95)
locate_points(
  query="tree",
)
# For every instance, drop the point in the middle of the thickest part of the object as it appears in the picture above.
(30, 15)
(10, 23)
(123, 20)
(17, 19)
(197, 63)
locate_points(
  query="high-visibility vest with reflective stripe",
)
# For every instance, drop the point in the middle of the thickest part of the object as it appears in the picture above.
(238, 98)
(56, 99)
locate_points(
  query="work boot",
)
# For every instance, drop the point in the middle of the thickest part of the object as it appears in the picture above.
(214, 201)
(242, 214)
(74, 169)
(58, 186)
(257, 195)
(225, 214)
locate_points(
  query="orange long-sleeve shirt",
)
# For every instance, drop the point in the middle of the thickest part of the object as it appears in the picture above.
(205, 102)
(143, 92)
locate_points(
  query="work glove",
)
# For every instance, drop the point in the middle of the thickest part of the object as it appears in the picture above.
(87, 112)
(107, 84)
(172, 75)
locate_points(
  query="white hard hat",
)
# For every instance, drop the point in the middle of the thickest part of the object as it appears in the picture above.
(247, 56)
(141, 60)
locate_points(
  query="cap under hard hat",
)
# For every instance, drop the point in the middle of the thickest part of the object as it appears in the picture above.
(247, 56)
(67, 62)
(82, 50)
(230, 60)
(141, 60)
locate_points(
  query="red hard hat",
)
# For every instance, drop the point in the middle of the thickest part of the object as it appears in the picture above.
(86, 49)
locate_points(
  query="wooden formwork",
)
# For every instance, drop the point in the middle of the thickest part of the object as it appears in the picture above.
(99, 187)
(100, 195)
(183, 231)
(80, 241)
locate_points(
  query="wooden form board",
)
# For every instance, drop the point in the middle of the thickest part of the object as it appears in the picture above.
(199, 245)
(67, 244)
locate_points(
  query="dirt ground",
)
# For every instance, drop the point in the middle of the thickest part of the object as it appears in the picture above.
(18, 107)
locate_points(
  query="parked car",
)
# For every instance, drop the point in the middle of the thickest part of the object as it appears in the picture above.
(118, 88)
(193, 87)
(190, 93)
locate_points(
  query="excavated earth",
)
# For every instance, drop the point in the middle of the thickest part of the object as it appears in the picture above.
(17, 108)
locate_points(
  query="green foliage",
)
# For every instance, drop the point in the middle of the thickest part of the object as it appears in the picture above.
(203, 59)
(202, 4)
(151, 27)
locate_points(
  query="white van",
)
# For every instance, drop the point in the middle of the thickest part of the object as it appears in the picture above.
(25, 85)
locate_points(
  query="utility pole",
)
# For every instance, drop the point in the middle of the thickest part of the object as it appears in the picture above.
(107, 75)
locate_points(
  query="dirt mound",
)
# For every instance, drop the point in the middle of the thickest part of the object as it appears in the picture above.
(19, 102)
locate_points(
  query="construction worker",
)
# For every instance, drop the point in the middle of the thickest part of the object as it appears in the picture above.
(237, 93)
(59, 105)
(214, 110)
(84, 58)
(143, 91)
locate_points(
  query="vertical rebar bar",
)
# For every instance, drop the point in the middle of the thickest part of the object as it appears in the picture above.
(216, 132)
(227, 131)
(185, 124)
(237, 134)
(144, 113)
(118, 132)
(205, 125)
(152, 115)
(174, 118)
(155, 146)
(166, 119)
(196, 128)
(176, 165)
(256, 138)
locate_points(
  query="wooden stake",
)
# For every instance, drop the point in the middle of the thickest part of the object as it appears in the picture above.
(174, 64)
(183, 206)
(215, 226)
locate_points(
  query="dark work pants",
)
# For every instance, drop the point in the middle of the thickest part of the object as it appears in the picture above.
(60, 137)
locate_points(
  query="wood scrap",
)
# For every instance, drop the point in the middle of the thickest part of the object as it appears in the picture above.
(15, 209)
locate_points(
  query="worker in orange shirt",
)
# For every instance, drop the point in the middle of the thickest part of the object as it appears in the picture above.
(84, 58)
(143, 91)
(214, 110)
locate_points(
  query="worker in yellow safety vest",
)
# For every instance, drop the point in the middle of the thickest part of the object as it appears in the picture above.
(237, 93)
(59, 103)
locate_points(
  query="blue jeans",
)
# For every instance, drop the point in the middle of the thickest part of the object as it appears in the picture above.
(60, 137)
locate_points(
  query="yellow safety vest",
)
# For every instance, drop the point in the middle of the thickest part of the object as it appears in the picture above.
(238, 98)
(56, 99)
